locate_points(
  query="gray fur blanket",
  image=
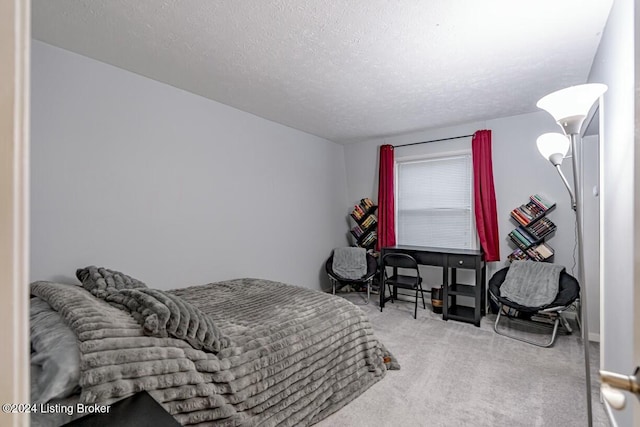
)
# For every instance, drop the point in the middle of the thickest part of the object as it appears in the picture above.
(293, 357)
(350, 263)
(531, 284)
(162, 314)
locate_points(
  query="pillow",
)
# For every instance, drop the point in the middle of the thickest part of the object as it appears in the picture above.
(102, 281)
(162, 314)
(55, 357)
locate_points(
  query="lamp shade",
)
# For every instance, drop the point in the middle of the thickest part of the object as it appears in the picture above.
(571, 105)
(553, 147)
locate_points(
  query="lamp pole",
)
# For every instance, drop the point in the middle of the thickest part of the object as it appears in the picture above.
(569, 107)
(577, 207)
(566, 184)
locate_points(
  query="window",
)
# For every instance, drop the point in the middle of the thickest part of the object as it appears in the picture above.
(434, 202)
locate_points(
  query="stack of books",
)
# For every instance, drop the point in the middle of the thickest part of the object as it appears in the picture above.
(541, 202)
(530, 212)
(366, 203)
(357, 213)
(518, 254)
(542, 252)
(369, 221)
(368, 240)
(533, 228)
(357, 231)
(523, 239)
(541, 228)
(365, 229)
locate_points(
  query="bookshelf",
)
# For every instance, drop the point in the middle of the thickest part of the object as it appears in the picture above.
(533, 228)
(365, 231)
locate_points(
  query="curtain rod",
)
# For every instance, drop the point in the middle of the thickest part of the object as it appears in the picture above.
(433, 140)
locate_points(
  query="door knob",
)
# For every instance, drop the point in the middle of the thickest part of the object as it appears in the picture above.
(615, 398)
(612, 383)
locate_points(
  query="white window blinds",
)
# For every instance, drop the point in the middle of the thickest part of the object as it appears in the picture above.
(434, 202)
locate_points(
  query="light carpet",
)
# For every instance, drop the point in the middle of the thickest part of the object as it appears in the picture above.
(455, 374)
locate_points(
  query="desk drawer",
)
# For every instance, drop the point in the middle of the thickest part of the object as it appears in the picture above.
(426, 258)
(462, 261)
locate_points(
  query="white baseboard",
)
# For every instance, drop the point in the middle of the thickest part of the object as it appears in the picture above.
(572, 315)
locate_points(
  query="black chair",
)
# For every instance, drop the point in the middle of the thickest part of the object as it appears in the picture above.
(402, 281)
(568, 292)
(367, 279)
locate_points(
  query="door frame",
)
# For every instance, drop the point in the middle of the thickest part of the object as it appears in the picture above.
(15, 38)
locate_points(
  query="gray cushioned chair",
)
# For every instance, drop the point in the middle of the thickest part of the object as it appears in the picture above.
(568, 292)
(367, 279)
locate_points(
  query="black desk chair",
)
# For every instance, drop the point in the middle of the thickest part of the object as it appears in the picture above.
(402, 281)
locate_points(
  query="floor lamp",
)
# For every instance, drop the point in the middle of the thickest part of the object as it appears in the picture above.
(569, 107)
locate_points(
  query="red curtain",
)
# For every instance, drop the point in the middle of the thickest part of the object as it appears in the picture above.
(386, 201)
(485, 195)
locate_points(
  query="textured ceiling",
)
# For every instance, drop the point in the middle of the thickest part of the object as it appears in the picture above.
(346, 70)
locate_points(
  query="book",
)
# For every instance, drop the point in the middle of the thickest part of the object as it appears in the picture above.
(518, 254)
(520, 217)
(366, 203)
(357, 212)
(542, 202)
(544, 250)
(369, 221)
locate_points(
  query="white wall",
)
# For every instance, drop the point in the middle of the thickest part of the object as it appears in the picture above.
(591, 229)
(620, 169)
(170, 187)
(519, 171)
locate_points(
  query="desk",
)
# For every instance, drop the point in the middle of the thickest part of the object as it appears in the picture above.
(449, 259)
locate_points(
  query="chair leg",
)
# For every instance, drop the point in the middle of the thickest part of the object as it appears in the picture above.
(424, 306)
(368, 290)
(547, 344)
(565, 323)
(415, 306)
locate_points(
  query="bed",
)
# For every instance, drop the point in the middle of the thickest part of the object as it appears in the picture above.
(239, 352)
